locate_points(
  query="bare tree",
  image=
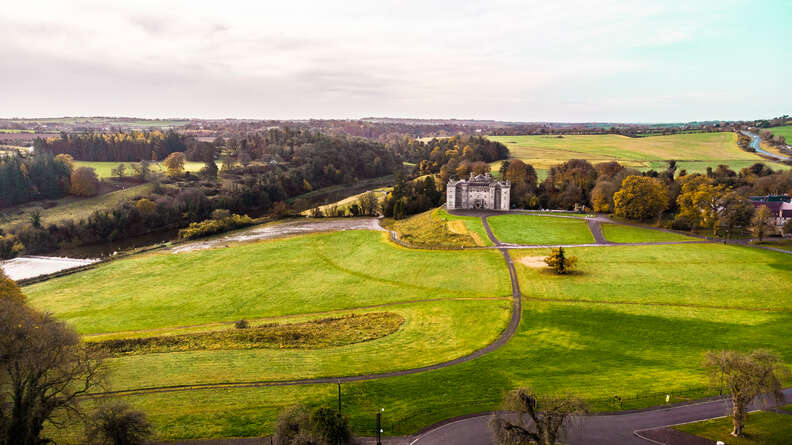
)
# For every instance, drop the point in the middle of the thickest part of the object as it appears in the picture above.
(528, 418)
(746, 375)
(44, 368)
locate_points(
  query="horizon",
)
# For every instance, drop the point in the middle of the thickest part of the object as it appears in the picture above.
(570, 62)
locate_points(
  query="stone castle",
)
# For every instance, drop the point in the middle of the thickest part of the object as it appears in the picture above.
(478, 192)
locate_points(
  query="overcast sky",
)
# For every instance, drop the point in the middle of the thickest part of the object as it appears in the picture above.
(525, 60)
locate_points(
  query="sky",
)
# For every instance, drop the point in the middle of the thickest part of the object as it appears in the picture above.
(562, 61)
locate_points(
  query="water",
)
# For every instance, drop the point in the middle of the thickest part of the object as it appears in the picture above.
(755, 144)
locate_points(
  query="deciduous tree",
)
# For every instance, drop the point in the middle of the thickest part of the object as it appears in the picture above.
(44, 368)
(529, 418)
(746, 375)
(84, 182)
(640, 198)
(174, 164)
(762, 222)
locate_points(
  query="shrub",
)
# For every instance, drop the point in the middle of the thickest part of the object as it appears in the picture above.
(118, 424)
(242, 324)
(213, 226)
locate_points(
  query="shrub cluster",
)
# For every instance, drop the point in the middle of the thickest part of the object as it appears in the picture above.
(213, 226)
(315, 334)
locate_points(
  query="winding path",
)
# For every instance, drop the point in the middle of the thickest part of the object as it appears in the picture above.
(628, 428)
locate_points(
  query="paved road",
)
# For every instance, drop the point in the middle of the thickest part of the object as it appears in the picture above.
(591, 430)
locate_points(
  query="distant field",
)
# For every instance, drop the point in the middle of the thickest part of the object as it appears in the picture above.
(618, 233)
(104, 169)
(71, 207)
(109, 121)
(14, 131)
(693, 152)
(785, 131)
(540, 230)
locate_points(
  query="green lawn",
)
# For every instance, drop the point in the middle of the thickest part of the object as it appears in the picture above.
(618, 233)
(763, 428)
(638, 352)
(711, 275)
(540, 230)
(614, 340)
(306, 274)
(104, 169)
(433, 332)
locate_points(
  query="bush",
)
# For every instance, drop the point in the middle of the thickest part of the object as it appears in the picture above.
(118, 424)
(320, 426)
(242, 324)
(213, 226)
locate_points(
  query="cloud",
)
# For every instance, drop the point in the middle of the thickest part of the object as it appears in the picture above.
(514, 60)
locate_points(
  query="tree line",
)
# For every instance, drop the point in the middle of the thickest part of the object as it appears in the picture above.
(130, 146)
(24, 179)
(717, 200)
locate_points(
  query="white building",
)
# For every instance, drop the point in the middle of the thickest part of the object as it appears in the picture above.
(478, 192)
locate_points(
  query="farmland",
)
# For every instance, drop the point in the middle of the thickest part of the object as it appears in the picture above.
(694, 152)
(785, 131)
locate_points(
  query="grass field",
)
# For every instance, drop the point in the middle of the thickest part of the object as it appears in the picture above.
(652, 274)
(283, 277)
(433, 332)
(763, 428)
(71, 207)
(628, 323)
(540, 230)
(693, 152)
(785, 131)
(103, 169)
(618, 233)
(592, 350)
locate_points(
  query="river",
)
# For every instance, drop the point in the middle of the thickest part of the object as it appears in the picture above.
(755, 144)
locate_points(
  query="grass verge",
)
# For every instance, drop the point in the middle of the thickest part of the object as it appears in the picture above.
(764, 428)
